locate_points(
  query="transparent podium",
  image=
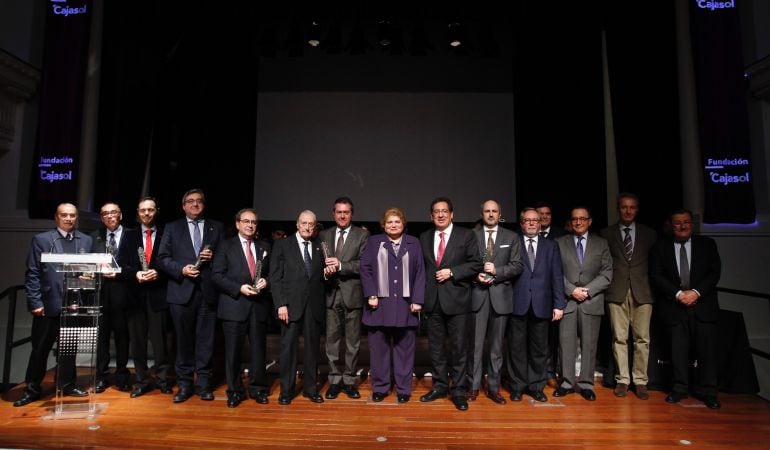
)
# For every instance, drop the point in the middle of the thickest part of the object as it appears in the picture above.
(79, 328)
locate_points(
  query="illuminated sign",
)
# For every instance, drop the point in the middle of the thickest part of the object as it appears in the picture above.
(723, 171)
(56, 168)
(712, 5)
(66, 9)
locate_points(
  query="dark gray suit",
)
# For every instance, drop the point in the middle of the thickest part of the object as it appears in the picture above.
(582, 319)
(344, 303)
(492, 305)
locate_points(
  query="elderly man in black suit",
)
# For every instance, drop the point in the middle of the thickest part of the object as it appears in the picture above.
(296, 279)
(452, 261)
(684, 273)
(243, 309)
(45, 288)
(186, 251)
(492, 299)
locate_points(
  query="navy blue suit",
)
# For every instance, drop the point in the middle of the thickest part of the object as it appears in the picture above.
(45, 288)
(536, 293)
(192, 301)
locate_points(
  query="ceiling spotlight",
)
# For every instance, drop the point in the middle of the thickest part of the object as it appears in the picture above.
(383, 32)
(455, 34)
(314, 34)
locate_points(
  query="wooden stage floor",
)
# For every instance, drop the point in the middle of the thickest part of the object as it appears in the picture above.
(154, 422)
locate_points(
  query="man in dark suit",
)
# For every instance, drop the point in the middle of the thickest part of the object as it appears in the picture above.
(243, 309)
(538, 300)
(684, 273)
(45, 288)
(629, 299)
(344, 298)
(587, 266)
(186, 250)
(545, 210)
(148, 318)
(116, 298)
(492, 296)
(452, 262)
(296, 280)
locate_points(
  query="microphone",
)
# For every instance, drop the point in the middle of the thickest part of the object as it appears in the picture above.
(68, 238)
(199, 262)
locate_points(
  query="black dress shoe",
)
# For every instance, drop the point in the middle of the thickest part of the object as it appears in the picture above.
(233, 399)
(123, 387)
(333, 391)
(562, 391)
(351, 391)
(166, 389)
(75, 392)
(261, 398)
(183, 395)
(26, 398)
(538, 395)
(314, 397)
(460, 402)
(284, 399)
(379, 396)
(101, 386)
(497, 398)
(433, 394)
(588, 394)
(402, 398)
(140, 391)
(711, 402)
(516, 396)
(675, 397)
(206, 394)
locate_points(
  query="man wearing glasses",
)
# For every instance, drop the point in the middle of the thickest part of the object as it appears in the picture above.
(587, 266)
(115, 299)
(186, 250)
(684, 273)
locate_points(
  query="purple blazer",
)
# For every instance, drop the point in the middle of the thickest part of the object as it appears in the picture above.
(397, 279)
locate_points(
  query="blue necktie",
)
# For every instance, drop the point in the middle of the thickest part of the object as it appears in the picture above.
(580, 249)
(113, 245)
(308, 261)
(196, 237)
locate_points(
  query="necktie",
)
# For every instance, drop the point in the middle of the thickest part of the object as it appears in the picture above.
(250, 259)
(196, 237)
(395, 245)
(308, 261)
(340, 244)
(543, 234)
(628, 245)
(490, 243)
(441, 248)
(148, 246)
(113, 245)
(69, 237)
(531, 253)
(580, 249)
(684, 267)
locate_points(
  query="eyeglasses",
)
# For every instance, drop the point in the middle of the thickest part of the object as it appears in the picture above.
(533, 221)
(440, 211)
(681, 224)
(109, 213)
(190, 201)
(248, 222)
(580, 219)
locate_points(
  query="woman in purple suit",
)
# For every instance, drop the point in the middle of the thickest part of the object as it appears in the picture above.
(393, 279)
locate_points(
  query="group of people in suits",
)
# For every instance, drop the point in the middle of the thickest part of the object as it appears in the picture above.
(520, 307)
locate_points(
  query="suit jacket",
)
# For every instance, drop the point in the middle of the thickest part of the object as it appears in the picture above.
(461, 256)
(231, 271)
(119, 291)
(154, 291)
(348, 279)
(630, 274)
(507, 259)
(290, 285)
(44, 285)
(540, 287)
(177, 251)
(393, 310)
(705, 271)
(595, 273)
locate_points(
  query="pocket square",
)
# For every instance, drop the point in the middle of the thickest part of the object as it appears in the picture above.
(505, 245)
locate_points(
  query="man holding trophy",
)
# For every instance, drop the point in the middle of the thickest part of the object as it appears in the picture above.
(238, 273)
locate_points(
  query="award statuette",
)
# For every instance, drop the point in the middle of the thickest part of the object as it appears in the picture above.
(258, 271)
(486, 257)
(325, 248)
(142, 259)
(199, 262)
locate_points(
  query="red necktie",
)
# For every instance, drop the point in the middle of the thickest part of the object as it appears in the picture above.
(250, 259)
(441, 247)
(148, 246)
